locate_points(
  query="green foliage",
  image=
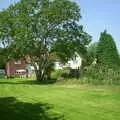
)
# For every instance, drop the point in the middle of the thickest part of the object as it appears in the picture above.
(3, 58)
(91, 54)
(2, 65)
(102, 75)
(66, 73)
(76, 42)
(107, 54)
(74, 73)
(57, 74)
(36, 29)
(107, 67)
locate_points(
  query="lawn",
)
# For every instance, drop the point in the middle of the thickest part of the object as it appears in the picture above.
(26, 100)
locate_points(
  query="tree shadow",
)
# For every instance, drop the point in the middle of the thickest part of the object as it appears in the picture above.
(30, 82)
(50, 81)
(12, 109)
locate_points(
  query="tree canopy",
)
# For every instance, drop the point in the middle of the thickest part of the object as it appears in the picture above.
(38, 30)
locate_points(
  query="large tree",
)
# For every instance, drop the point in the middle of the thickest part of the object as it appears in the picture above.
(107, 54)
(38, 30)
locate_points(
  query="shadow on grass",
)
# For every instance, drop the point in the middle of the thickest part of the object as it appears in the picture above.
(29, 82)
(50, 81)
(11, 109)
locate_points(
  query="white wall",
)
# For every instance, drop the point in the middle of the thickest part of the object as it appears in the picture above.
(58, 66)
(74, 64)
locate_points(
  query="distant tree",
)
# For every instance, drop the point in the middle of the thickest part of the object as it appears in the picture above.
(107, 54)
(33, 28)
(91, 55)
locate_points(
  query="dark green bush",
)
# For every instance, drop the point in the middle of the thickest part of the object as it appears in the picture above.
(66, 73)
(74, 73)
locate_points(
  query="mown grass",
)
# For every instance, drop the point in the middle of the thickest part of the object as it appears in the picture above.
(22, 99)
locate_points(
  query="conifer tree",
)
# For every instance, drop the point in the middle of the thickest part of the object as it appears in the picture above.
(107, 54)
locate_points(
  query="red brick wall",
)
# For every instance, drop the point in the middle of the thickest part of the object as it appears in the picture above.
(11, 67)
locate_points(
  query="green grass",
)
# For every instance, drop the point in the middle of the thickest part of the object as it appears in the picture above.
(26, 100)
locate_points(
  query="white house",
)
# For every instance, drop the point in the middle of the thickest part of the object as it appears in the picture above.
(58, 65)
(74, 63)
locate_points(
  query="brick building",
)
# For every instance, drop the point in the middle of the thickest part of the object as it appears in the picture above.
(16, 68)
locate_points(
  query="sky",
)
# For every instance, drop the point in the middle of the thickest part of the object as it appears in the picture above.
(97, 15)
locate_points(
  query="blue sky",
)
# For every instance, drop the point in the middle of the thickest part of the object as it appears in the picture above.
(97, 15)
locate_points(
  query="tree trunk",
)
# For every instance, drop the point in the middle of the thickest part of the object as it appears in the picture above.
(39, 75)
(38, 72)
(82, 70)
(41, 68)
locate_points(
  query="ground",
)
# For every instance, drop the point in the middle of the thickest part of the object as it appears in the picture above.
(27, 100)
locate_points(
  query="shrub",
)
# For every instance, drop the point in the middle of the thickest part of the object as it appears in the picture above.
(74, 73)
(56, 74)
(103, 75)
(66, 73)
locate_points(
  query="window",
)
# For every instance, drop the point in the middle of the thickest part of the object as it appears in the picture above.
(18, 62)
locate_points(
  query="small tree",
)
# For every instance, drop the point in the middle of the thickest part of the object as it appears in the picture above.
(91, 55)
